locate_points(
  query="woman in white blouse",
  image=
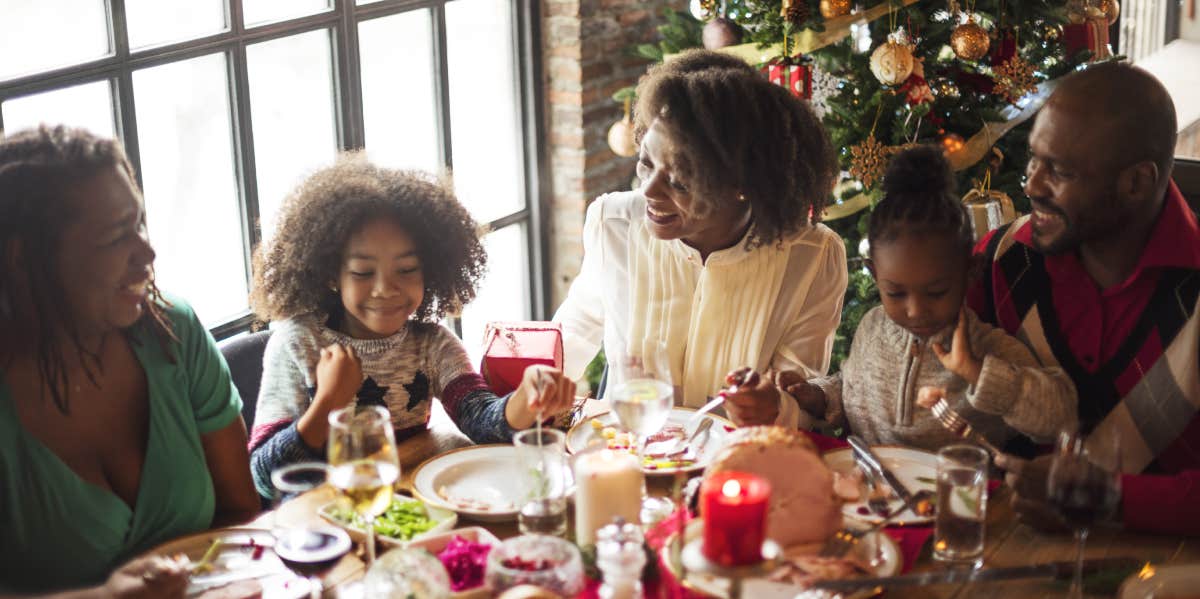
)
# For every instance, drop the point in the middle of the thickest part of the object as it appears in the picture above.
(717, 255)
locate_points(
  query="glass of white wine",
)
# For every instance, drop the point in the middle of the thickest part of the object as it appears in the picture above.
(363, 462)
(642, 400)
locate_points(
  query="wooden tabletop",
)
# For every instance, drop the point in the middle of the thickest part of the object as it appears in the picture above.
(1008, 543)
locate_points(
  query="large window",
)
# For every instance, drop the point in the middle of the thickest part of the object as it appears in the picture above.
(225, 105)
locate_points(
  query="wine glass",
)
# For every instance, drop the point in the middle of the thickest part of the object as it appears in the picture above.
(363, 462)
(1084, 486)
(308, 549)
(641, 402)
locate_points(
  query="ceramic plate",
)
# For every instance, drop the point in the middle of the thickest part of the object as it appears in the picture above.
(445, 519)
(1162, 581)
(590, 432)
(916, 469)
(888, 562)
(483, 482)
(245, 554)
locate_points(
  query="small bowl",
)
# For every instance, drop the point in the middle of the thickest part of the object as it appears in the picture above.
(444, 518)
(564, 576)
(435, 544)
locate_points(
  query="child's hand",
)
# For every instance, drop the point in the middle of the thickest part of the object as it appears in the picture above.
(927, 396)
(752, 401)
(810, 397)
(339, 376)
(959, 359)
(543, 390)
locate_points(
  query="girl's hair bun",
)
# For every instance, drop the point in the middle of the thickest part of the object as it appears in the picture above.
(920, 170)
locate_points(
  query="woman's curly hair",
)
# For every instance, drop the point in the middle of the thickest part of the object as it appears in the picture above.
(38, 169)
(733, 132)
(295, 272)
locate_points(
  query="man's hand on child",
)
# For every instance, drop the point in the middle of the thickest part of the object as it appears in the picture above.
(958, 358)
(752, 401)
(544, 391)
(810, 397)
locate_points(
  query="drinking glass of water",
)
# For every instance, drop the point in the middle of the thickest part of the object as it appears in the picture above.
(962, 504)
(642, 401)
(542, 458)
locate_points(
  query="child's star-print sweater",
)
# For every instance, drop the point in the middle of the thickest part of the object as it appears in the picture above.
(403, 373)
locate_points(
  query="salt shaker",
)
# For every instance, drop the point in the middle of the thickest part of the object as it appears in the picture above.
(620, 558)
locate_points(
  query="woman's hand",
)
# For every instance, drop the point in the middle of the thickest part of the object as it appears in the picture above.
(339, 377)
(958, 358)
(751, 399)
(148, 577)
(543, 390)
(810, 397)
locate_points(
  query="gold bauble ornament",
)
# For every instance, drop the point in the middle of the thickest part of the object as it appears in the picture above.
(835, 8)
(868, 160)
(620, 138)
(970, 40)
(892, 62)
(1111, 9)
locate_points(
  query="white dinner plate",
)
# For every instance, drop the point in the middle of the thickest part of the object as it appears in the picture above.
(888, 562)
(585, 435)
(484, 482)
(235, 562)
(445, 519)
(915, 468)
(1179, 580)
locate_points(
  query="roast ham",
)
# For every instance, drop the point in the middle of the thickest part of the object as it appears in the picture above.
(803, 507)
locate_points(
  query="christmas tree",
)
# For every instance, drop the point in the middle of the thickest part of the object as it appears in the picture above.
(965, 75)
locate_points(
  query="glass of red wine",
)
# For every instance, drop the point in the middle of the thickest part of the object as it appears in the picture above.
(1084, 486)
(306, 547)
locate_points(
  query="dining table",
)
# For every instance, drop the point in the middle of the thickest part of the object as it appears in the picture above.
(1008, 542)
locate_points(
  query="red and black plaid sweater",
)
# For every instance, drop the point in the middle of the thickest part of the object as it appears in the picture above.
(1133, 351)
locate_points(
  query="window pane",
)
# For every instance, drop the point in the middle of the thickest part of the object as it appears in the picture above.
(154, 22)
(399, 105)
(88, 106)
(483, 107)
(46, 34)
(504, 294)
(191, 195)
(291, 108)
(265, 11)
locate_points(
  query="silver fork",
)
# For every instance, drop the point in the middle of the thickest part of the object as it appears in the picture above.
(958, 425)
(845, 539)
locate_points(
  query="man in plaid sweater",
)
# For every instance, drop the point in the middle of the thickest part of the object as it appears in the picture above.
(1103, 280)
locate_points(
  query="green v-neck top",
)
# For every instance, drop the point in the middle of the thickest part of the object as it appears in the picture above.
(58, 531)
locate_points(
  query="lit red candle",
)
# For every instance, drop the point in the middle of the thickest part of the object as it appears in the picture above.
(734, 508)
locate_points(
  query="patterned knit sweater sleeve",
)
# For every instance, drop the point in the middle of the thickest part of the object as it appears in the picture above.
(478, 412)
(284, 396)
(1038, 401)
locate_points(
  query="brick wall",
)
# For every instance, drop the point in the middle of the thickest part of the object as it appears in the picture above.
(585, 61)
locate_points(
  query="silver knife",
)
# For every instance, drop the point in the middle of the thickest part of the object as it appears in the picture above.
(1052, 570)
(864, 453)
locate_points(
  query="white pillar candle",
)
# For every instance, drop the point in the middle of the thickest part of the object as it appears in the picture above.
(608, 484)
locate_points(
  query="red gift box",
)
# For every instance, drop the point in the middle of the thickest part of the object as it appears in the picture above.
(511, 347)
(797, 78)
(1091, 34)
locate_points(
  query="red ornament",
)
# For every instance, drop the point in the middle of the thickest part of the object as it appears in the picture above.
(916, 90)
(1004, 47)
(792, 72)
(734, 508)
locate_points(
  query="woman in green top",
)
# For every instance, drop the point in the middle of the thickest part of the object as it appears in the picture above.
(119, 425)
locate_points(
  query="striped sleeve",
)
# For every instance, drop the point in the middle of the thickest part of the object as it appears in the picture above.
(478, 412)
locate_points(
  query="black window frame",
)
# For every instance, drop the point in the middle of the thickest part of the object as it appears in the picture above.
(341, 18)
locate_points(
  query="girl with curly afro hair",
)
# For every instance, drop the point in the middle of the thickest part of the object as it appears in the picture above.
(364, 262)
(719, 254)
